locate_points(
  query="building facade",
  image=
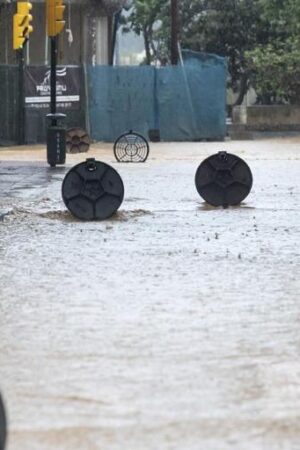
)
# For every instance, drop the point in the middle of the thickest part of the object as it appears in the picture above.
(86, 39)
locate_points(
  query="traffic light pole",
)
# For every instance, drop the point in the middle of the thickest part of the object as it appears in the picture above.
(21, 109)
(21, 30)
(53, 77)
(56, 133)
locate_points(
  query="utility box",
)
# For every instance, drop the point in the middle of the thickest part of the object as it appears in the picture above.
(56, 139)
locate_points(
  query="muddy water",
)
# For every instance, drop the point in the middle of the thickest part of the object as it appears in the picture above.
(172, 326)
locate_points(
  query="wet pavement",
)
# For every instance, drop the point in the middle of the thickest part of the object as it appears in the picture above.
(171, 326)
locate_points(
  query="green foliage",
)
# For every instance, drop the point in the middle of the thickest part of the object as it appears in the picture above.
(259, 38)
(275, 66)
(142, 21)
(225, 27)
(276, 72)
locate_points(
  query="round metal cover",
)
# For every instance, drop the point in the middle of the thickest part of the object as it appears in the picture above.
(77, 141)
(2, 425)
(131, 147)
(223, 179)
(92, 190)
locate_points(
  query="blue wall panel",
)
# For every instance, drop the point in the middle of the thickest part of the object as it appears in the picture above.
(207, 77)
(176, 110)
(186, 103)
(121, 99)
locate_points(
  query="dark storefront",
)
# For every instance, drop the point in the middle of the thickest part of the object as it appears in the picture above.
(84, 41)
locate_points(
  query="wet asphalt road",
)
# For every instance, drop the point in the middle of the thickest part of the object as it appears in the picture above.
(172, 326)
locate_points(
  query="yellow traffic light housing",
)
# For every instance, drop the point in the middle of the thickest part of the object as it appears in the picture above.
(55, 15)
(18, 38)
(24, 9)
(22, 24)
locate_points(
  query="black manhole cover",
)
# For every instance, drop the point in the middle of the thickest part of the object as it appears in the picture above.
(92, 190)
(2, 425)
(223, 179)
(131, 147)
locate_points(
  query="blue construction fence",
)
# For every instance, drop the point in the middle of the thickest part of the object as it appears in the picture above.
(184, 103)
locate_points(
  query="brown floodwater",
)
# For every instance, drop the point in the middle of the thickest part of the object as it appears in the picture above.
(171, 326)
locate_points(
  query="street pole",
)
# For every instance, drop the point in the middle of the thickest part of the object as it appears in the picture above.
(21, 115)
(174, 32)
(56, 131)
(53, 77)
(21, 30)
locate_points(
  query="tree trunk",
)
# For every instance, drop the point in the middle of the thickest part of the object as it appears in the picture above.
(174, 32)
(243, 90)
(110, 40)
(147, 47)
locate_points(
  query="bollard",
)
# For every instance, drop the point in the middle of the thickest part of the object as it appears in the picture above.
(131, 147)
(56, 139)
(2, 425)
(223, 179)
(92, 190)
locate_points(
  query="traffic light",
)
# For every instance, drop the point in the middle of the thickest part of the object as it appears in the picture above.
(22, 24)
(55, 15)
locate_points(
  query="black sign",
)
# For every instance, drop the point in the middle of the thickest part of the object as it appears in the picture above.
(37, 87)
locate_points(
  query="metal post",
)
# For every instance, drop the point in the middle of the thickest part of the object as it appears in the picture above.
(56, 133)
(21, 115)
(53, 77)
(174, 32)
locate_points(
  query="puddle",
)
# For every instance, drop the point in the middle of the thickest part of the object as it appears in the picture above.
(119, 216)
(208, 207)
(124, 216)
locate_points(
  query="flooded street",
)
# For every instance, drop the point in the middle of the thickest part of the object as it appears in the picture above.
(171, 326)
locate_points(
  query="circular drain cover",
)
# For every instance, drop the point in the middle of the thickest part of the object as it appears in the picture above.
(92, 190)
(131, 147)
(2, 425)
(77, 141)
(223, 179)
